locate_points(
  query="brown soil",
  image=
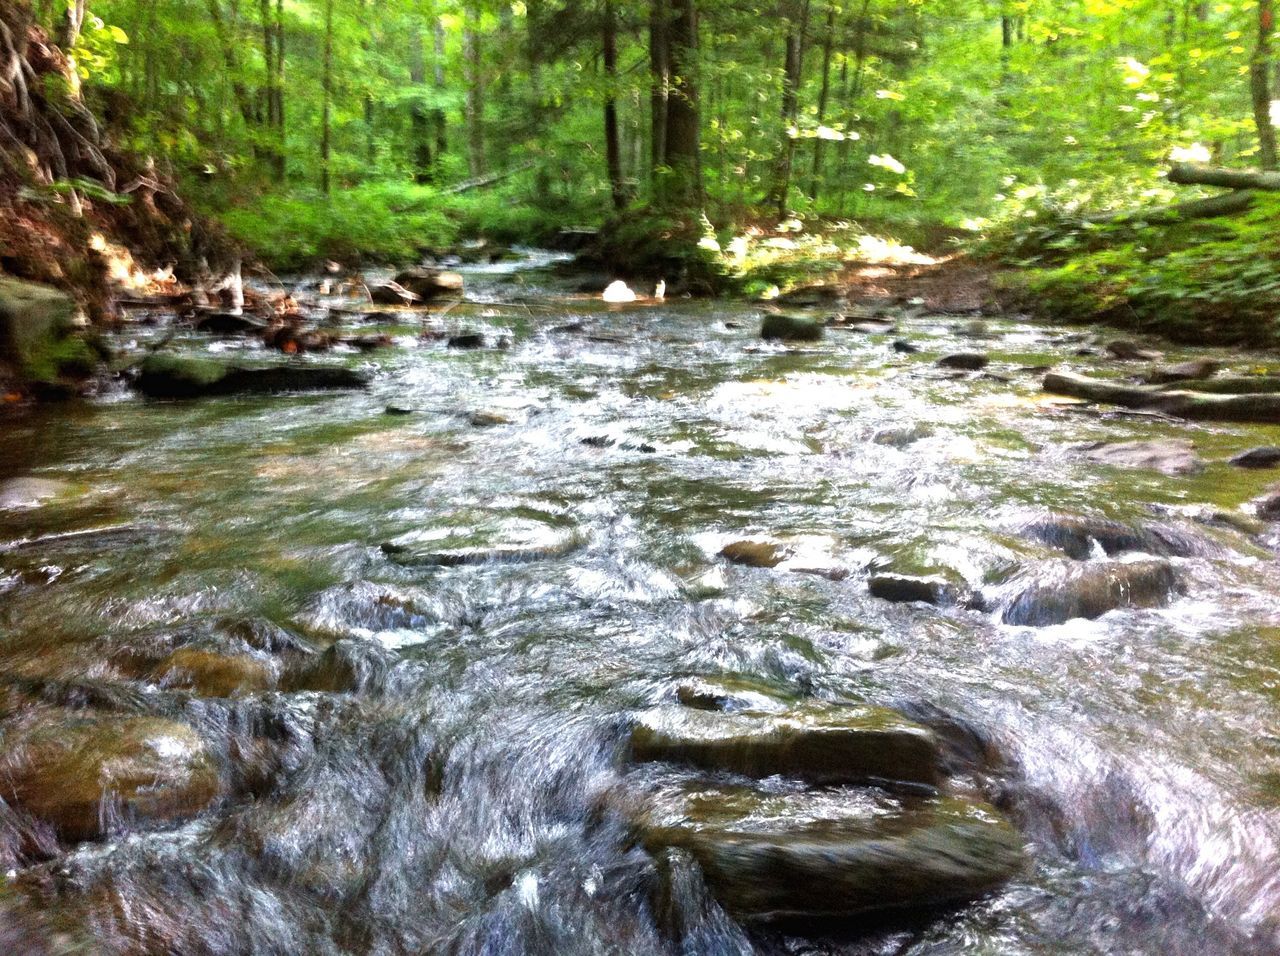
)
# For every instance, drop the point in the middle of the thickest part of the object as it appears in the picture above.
(954, 284)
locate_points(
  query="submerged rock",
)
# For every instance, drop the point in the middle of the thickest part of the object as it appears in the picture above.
(818, 743)
(1265, 457)
(229, 323)
(1173, 456)
(23, 493)
(212, 674)
(1267, 507)
(467, 340)
(790, 328)
(1193, 371)
(900, 436)
(1054, 592)
(510, 540)
(907, 589)
(174, 376)
(728, 694)
(966, 361)
(1078, 536)
(903, 347)
(837, 854)
(90, 776)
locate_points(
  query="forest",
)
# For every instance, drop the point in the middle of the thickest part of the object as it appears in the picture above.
(639, 478)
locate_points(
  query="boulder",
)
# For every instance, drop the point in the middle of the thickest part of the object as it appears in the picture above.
(466, 340)
(966, 361)
(1267, 507)
(790, 328)
(1053, 592)
(37, 333)
(808, 855)
(900, 436)
(392, 293)
(818, 743)
(903, 347)
(1265, 457)
(176, 376)
(229, 323)
(1172, 456)
(909, 589)
(431, 284)
(1078, 536)
(89, 776)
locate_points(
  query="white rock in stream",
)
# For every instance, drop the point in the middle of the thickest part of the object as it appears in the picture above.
(618, 291)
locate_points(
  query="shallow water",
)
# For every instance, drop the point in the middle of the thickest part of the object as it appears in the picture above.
(469, 794)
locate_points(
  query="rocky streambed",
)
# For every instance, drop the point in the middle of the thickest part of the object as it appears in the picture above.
(526, 624)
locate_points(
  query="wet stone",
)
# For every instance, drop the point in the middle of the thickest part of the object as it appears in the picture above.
(790, 328)
(466, 340)
(1080, 537)
(900, 436)
(1054, 592)
(508, 540)
(728, 694)
(755, 554)
(965, 361)
(22, 493)
(88, 776)
(1129, 351)
(903, 347)
(1265, 457)
(819, 743)
(836, 854)
(908, 589)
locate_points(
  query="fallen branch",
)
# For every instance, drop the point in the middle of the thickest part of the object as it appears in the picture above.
(481, 182)
(1194, 406)
(1190, 174)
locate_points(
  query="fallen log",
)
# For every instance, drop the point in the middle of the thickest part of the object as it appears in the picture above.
(480, 182)
(1232, 385)
(1251, 407)
(1192, 174)
(1227, 204)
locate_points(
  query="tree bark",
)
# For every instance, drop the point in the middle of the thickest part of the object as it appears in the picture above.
(612, 148)
(326, 109)
(1190, 174)
(475, 96)
(823, 94)
(437, 115)
(1260, 85)
(419, 122)
(792, 70)
(659, 83)
(683, 183)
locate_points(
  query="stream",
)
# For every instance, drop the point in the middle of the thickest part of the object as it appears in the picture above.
(449, 774)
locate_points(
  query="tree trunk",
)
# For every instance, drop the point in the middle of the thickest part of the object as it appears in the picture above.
(437, 115)
(1260, 85)
(853, 93)
(683, 183)
(271, 53)
(419, 122)
(475, 96)
(1225, 205)
(1190, 174)
(612, 148)
(659, 83)
(823, 94)
(326, 108)
(794, 62)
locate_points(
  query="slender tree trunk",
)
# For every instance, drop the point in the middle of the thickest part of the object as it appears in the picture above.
(273, 94)
(1260, 85)
(683, 185)
(794, 60)
(659, 82)
(853, 92)
(437, 115)
(827, 40)
(419, 122)
(327, 102)
(612, 148)
(231, 58)
(475, 96)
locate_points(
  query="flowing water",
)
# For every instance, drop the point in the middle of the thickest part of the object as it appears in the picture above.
(461, 785)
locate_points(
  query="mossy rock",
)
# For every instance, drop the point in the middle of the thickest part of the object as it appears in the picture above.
(88, 776)
(38, 338)
(211, 674)
(819, 743)
(1054, 592)
(824, 854)
(183, 376)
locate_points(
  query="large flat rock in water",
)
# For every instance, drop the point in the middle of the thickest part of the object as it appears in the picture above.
(177, 376)
(817, 743)
(1054, 592)
(836, 853)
